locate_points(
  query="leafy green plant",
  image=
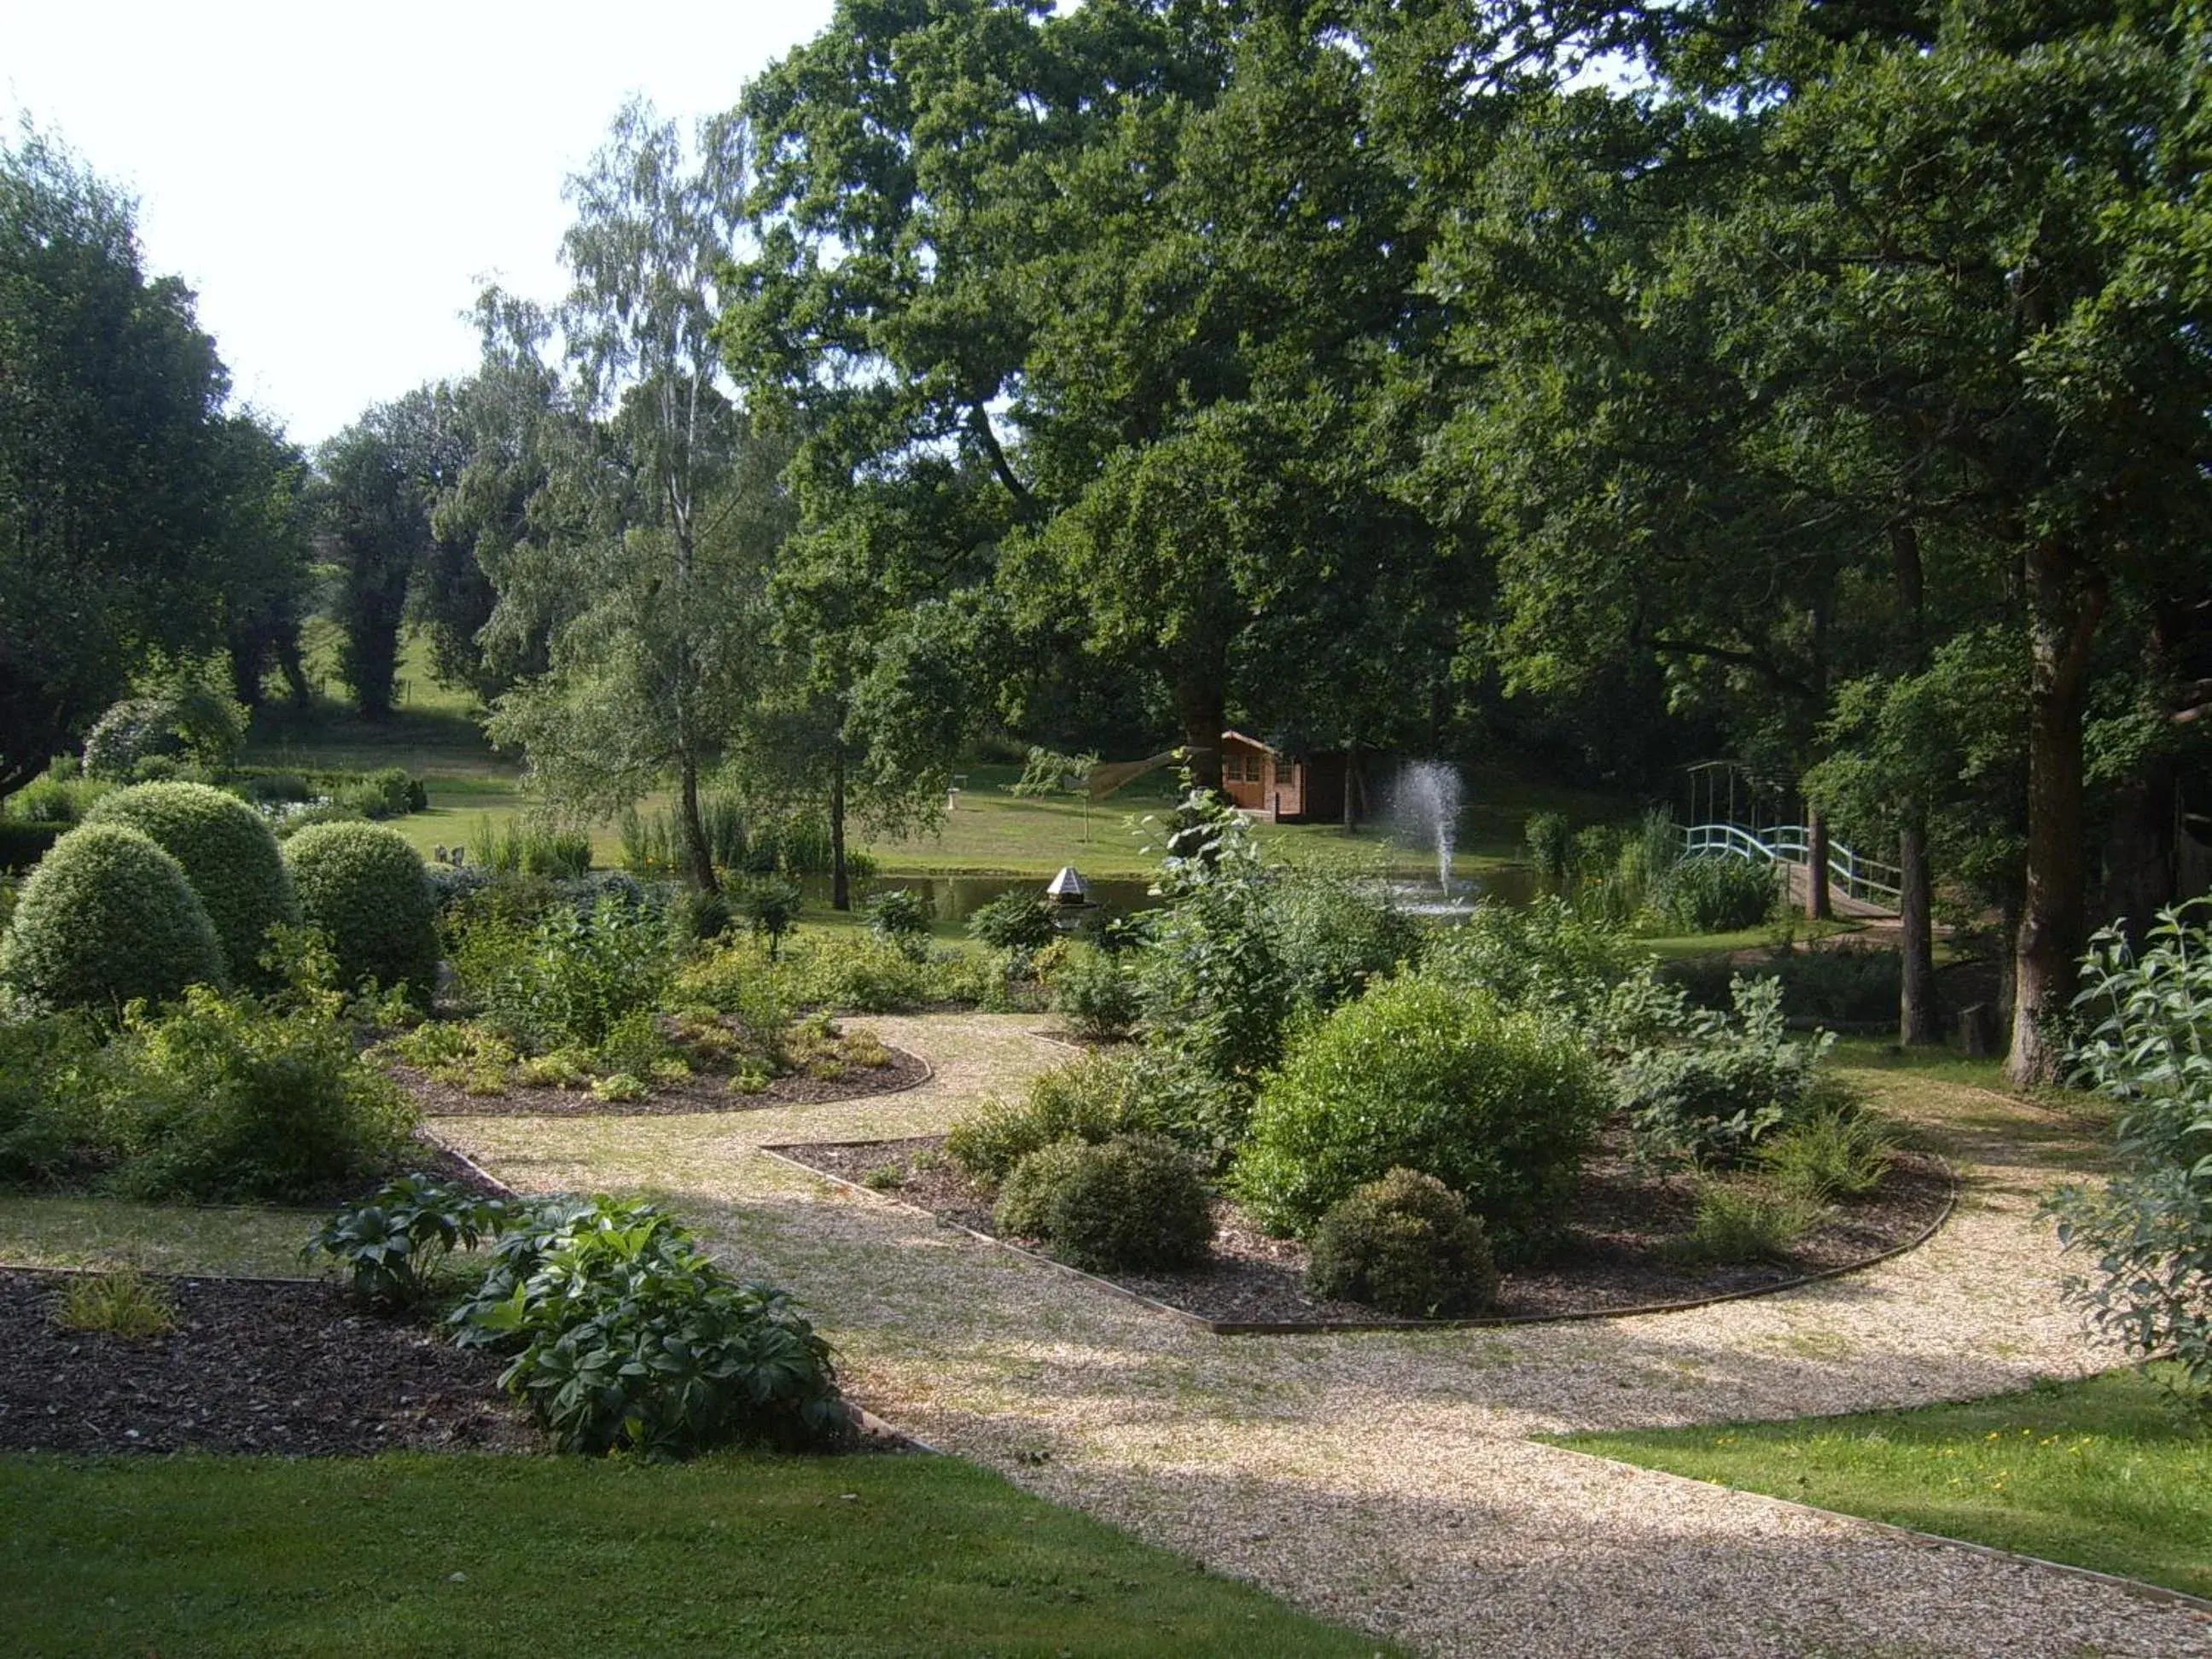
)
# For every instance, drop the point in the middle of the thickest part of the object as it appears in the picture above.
(1133, 1202)
(1019, 922)
(1096, 995)
(1497, 1105)
(770, 905)
(900, 916)
(2148, 1045)
(572, 979)
(125, 1305)
(392, 1247)
(863, 975)
(107, 918)
(630, 1338)
(1713, 1092)
(366, 890)
(228, 854)
(1090, 1099)
(1834, 1152)
(1740, 1218)
(1543, 958)
(519, 846)
(1406, 1244)
(1550, 849)
(1717, 894)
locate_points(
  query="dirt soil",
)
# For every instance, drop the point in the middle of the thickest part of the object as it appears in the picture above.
(1615, 1256)
(251, 1367)
(703, 1092)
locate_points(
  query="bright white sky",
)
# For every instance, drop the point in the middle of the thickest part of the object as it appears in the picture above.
(338, 181)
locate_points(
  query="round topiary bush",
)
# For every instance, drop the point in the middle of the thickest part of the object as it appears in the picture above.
(108, 917)
(229, 856)
(1405, 1244)
(1134, 1202)
(368, 890)
(1498, 1106)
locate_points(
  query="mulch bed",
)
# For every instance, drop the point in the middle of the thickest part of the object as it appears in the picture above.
(703, 1092)
(1614, 1258)
(251, 1367)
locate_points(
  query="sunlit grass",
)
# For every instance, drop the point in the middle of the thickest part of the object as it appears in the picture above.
(2109, 1473)
(883, 1556)
(45, 1230)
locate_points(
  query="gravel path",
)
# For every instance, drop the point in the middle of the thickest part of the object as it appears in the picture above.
(1386, 1480)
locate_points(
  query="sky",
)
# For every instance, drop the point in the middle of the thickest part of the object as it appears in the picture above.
(338, 182)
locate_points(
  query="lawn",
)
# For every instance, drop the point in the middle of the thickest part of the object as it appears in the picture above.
(40, 1230)
(734, 1553)
(2109, 1473)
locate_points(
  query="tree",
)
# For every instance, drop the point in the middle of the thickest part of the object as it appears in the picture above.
(268, 535)
(111, 492)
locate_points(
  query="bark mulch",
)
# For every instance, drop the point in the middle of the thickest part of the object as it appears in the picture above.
(1615, 1256)
(251, 1366)
(703, 1092)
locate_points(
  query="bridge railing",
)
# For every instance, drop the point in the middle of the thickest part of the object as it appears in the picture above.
(1870, 880)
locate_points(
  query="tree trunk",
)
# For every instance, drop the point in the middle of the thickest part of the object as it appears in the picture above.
(1202, 705)
(1351, 784)
(1917, 1018)
(249, 650)
(841, 888)
(2066, 603)
(295, 666)
(700, 856)
(1816, 865)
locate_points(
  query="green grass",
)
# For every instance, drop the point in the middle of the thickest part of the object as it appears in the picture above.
(412, 1554)
(2109, 1473)
(40, 1231)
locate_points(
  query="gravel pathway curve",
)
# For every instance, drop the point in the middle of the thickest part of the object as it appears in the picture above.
(1384, 1479)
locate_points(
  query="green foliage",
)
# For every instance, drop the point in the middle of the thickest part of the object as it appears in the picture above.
(1743, 1219)
(520, 846)
(1091, 1098)
(1405, 1244)
(1016, 922)
(1048, 772)
(1550, 849)
(234, 1099)
(23, 844)
(857, 973)
(1717, 894)
(388, 792)
(573, 979)
(1131, 1202)
(366, 889)
(1715, 1090)
(1497, 1105)
(392, 1247)
(227, 854)
(1845, 984)
(54, 1073)
(631, 1338)
(1097, 995)
(1543, 958)
(770, 905)
(183, 715)
(108, 917)
(1834, 1153)
(127, 1305)
(2149, 1232)
(900, 916)
(738, 980)
(701, 916)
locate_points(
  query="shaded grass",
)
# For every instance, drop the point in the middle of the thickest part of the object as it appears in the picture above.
(2109, 1474)
(412, 1554)
(44, 1230)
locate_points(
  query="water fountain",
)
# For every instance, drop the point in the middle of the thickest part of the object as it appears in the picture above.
(1424, 811)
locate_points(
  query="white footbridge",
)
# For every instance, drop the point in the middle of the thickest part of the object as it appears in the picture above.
(1857, 885)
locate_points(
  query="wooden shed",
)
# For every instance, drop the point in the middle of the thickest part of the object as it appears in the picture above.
(1282, 788)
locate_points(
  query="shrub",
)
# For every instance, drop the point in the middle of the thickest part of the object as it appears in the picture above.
(738, 980)
(1405, 1244)
(229, 855)
(1094, 993)
(186, 714)
(571, 978)
(862, 975)
(1134, 1203)
(1090, 1098)
(770, 906)
(1834, 1152)
(1724, 1085)
(1336, 936)
(901, 917)
(1498, 1106)
(392, 1247)
(108, 917)
(700, 915)
(1717, 894)
(1017, 921)
(1544, 957)
(53, 1121)
(366, 890)
(630, 1338)
(1550, 849)
(2147, 1044)
(1745, 1220)
(233, 1099)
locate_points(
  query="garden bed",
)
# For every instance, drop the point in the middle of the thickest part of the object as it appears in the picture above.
(1618, 1257)
(703, 1092)
(251, 1366)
